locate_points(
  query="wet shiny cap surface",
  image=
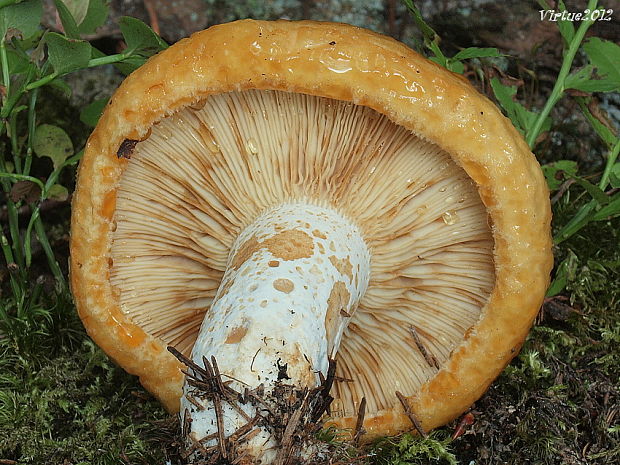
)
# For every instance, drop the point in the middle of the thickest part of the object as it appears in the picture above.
(368, 74)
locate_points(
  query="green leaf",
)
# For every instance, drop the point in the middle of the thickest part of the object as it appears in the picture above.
(577, 78)
(18, 81)
(129, 65)
(584, 80)
(583, 216)
(455, 66)
(599, 85)
(78, 9)
(567, 30)
(69, 23)
(504, 95)
(95, 16)
(595, 191)
(67, 55)
(476, 52)
(563, 273)
(52, 142)
(18, 63)
(431, 39)
(521, 117)
(455, 63)
(36, 49)
(556, 172)
(427, 31)
(605, 56)
(614, 176)
(81, 16)
(58, 192)
(140, 39)
(528, 118)
(611, 210)
(439, 57)
(603, 131)
(24, 16)
(91, 113)
(29, 42)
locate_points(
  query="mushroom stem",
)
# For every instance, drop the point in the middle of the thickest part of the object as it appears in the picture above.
(294, 279)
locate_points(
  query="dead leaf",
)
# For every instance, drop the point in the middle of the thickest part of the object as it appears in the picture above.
(25, 190)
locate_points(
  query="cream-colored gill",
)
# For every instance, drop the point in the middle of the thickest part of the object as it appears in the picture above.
(208, 171)
(293, 281)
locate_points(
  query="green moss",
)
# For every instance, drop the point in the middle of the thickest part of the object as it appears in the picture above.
(75, 406)
(408, 449)
(557, 402)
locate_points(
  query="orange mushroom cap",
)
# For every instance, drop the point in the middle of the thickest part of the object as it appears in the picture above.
(375, 75)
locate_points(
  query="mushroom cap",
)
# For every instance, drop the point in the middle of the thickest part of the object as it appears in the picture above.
(348, 64)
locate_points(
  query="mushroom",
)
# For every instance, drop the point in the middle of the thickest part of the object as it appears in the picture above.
(276, 200)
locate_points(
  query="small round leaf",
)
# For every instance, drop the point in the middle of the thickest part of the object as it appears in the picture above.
(53, 142)
(58, 192)
(90, 113)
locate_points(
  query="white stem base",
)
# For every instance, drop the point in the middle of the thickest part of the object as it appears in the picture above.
(295, 277)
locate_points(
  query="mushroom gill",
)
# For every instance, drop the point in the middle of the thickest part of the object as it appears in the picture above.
(209, 170)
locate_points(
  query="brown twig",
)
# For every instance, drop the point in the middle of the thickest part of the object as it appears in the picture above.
(196, 445)
(322, 405)
(234, 404)
(205, 382)
(187, 422)
(210, 384)
(219, 417)
(204, 386)
(150, 9)
(562, 190)
(194, 402)
(208, 437)
(286, 444)
(245, 429)
(287, 412)
(216, 374)
(254, 358)
(359, 424)
(392, 18)
(250, 435)
(223, 388)
(188, 363)
(239, 459)
(429, 357)
(416, 423)
(253, 395)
